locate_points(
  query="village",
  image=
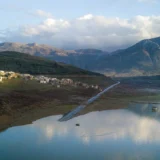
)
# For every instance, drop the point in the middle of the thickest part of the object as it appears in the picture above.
(8, 75)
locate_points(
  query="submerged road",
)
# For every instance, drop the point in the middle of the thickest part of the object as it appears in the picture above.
(72, 113)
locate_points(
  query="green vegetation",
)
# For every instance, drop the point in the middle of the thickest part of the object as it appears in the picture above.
(24, 63)
(28, 94)
(19, 84)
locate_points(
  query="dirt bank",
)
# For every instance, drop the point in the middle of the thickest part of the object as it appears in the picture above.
(120, 97)
(22, 102)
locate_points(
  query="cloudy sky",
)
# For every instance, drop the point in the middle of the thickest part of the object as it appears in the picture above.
(70, 24)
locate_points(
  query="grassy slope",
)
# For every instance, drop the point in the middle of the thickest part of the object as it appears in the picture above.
(22, 101)
(18, 93)
(24, 63)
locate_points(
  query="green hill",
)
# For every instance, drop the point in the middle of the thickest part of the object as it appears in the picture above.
(24, 63)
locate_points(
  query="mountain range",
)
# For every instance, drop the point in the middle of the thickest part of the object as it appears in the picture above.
(143, 58)
(82, 58)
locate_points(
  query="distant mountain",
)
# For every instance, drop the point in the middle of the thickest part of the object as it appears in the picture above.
(83, 58)
(24, 63)
(32, 49)
(142, 58)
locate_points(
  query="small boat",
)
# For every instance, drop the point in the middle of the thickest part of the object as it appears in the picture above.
(154, 109)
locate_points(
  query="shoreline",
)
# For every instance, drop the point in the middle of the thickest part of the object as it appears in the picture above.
(29, 116)
(78, 109)
(22, 102)
(48, 104)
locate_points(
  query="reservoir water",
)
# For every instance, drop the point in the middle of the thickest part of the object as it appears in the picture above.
(132, 133)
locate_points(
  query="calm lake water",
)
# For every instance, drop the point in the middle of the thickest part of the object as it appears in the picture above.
(126, 134)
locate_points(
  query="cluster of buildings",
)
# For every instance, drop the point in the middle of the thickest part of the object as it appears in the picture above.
(45, 80)
(4, 75)
(53, 81)
(63, 82)
(7, 75)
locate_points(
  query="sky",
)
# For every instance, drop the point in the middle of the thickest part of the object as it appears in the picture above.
(75, 24)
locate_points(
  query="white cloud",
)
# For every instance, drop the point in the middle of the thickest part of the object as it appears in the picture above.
(86, 17)
(42, 13)
(88, 31)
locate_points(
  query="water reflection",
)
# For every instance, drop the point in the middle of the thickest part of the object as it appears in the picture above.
(137, 123)
(148, 110)
(132, 133)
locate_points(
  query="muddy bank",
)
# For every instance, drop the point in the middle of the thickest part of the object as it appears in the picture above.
(78, 109)
(22, 102)
(22, 108)
(120, 97)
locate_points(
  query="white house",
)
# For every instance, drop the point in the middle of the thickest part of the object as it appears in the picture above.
(43, 82)
(2, 73)
(66, 81)
(1, 79)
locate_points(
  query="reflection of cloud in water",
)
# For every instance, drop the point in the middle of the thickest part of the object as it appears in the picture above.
(106, 125)
(49, 131)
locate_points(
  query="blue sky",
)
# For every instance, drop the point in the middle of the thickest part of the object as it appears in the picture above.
(20, 14)
(69, 9)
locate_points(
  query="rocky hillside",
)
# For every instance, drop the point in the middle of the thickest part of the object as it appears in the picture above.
(83, 58)
(143, 58)
(31, 48)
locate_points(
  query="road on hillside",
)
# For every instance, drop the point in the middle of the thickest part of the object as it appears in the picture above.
(72, 113)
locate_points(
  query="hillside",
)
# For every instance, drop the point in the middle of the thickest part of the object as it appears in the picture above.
(142, 58)
(31, 48)
(24, 63)
(83, 58)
